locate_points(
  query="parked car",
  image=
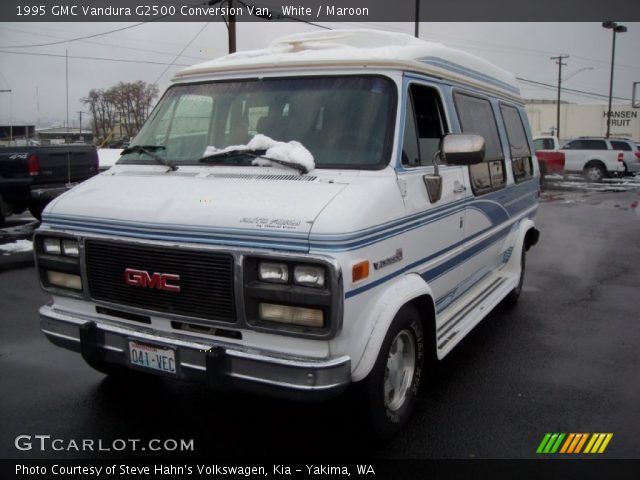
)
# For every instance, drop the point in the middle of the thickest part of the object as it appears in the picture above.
(631, 154)
(546, 142)
(31, 176)
(331, 210)
(594, 157)
(551, 160)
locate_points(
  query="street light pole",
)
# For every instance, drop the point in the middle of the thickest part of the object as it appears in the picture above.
(9, 91)
(558, 60)
(616, 29)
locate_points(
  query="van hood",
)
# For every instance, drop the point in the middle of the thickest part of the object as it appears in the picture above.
(223, 206)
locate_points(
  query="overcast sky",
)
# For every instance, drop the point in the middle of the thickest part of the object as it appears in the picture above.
(522, 48)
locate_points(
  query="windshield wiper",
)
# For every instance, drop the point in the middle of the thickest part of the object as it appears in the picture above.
(214, 157)
(149, 150)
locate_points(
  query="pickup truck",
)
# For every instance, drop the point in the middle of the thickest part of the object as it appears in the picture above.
(32, 176)
(593, 157)
(550, 159)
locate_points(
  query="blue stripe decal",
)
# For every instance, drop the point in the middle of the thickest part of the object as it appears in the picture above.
(441, 269)
(457, 292)
(515, 198)
(208, 239)
(468, 72)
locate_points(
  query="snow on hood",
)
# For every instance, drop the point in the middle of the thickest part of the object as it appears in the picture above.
(293, 152)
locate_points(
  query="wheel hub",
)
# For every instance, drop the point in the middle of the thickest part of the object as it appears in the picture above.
(399, 370)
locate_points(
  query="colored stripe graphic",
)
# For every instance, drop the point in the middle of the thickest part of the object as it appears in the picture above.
(598, 442)
(574, 443)
(550, 443)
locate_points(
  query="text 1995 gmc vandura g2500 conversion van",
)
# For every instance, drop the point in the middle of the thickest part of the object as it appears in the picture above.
(337, 208)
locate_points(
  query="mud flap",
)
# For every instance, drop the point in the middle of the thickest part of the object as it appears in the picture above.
(89, 343)
(217, 363)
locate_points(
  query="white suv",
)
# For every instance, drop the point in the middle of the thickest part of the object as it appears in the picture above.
(631, 154)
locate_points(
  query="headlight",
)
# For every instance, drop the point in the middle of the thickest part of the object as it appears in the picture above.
(307, 317)
(309, 276)
(273, 272)
(64, 280)
(70, 248)
(51, 246)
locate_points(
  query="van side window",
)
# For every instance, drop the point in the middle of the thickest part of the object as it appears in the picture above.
(476, 116)
(518, 145)
(424, 126)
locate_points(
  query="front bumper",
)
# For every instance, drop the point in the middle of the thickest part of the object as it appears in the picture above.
(633, 167)
(220, 365)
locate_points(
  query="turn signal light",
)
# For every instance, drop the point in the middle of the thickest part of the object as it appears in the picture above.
(360, 271)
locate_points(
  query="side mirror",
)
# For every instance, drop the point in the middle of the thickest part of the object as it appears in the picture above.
(462, 149)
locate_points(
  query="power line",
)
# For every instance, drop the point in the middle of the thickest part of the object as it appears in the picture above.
(101, 43)
(569, 90)
(95, 58)
(155, 19)
(178, 56)
(76, 39)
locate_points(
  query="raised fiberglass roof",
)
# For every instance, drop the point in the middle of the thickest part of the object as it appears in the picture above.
(363, 48)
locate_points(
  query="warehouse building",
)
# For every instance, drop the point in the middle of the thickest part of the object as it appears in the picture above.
(583, 120)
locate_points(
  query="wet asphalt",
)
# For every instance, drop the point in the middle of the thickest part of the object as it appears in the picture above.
(565, 359)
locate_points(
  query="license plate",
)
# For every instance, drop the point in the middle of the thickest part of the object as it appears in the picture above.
(155, 358)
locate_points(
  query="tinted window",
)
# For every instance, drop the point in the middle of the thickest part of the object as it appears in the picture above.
(543, 144)
(620, 146)
(476, 116)
(424, 126)
(518, 144)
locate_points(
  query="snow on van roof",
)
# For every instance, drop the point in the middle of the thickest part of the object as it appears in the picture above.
(363, 48)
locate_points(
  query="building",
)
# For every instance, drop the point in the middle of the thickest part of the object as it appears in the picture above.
(583, 120)
(64, 135)
(14, 134)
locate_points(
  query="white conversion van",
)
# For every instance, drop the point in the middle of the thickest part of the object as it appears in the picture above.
(340, 207)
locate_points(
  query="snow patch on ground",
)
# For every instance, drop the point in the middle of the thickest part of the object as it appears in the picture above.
(16, 247)
(293, 152)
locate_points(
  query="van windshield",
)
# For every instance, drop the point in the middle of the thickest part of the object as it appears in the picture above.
(345, 122)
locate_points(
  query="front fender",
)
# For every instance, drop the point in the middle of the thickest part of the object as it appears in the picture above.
(387, 305)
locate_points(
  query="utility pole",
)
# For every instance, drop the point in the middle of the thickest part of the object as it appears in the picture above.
(232, 27)
(66, 56)
(616, 28)
(558, 60)
(417, 29)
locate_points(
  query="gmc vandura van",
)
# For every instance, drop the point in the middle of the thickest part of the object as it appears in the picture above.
(338, 208)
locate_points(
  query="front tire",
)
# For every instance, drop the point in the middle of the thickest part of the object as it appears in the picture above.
(390, 389)
(36, 209)
(594, 172)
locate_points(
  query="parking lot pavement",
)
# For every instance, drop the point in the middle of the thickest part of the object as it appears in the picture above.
(565, 359)
(15, 241)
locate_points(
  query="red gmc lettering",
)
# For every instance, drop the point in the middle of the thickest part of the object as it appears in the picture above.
(160, 281)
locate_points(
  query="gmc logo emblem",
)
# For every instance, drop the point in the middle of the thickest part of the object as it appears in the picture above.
(141, 278)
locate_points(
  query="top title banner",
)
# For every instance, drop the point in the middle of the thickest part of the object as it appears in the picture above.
(317, 10)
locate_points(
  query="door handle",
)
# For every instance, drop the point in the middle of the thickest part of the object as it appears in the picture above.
(458, 187)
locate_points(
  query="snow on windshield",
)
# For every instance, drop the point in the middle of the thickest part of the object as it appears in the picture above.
(292, 152)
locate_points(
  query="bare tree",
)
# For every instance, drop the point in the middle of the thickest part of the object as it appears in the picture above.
(128, 104)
